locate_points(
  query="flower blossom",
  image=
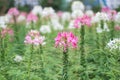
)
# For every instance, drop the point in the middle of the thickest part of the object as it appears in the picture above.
(34, 37)
(37, 10)
(102, 16)
(13, 11)
(105, 9)
(45, 29)
(114, 44)
(31, 17)
(6, 31)
(117, 27)
(65, 40)
(85, 20)
(77, 5)
(18, 58)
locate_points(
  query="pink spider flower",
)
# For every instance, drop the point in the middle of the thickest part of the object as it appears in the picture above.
(59, 13)
(31, 17)
(112, 14)
(34, 37)
(23, 14)
(84, 20)
(65, 40)
(105, 9)
(7, 31)
(13, 11)
(117, 27)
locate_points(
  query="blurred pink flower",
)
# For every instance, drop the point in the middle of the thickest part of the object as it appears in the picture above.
(84, 20)
(77, 23)
(110, 13)
(23, 14)
(6, 31)
(117, 27)
(13, 11)
(34, 37)
(65, 40)
(31, 17)
(59, 13)
(105, 9)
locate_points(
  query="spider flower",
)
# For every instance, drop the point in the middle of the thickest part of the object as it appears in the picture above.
(6, 31)
(85, 20)
(65, 40)
(31, 17)
(34, 37)
(13, 11)
(114, 44)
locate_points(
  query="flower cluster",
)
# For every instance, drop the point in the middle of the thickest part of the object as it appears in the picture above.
(18, 58)
(31, 17)
(13, 11)
(7, 31)
(45, 29)
(114, 44)
(117, 27)
(105, 28)
(34, 37)
(101, 16)
(65, 40)
(85, 20)
(77, 5)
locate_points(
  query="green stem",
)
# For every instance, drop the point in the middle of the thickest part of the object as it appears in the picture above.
(32, 25)
(42, 64)
(97, 40)
(82, 50)
(15, 28)
(65, 65)
(2, 50)
(82, 53)
(30, 63)
(103, 35)
(112, 29)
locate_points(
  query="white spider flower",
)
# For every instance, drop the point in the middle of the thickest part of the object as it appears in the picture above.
(21, 18)
(94, 19)
(18, 58)
(56, 25)
(77, 13)
(71, 25)
(66, 16)
(102, 16)
(3, 22)
(45, 29)
(105, 28)
(114, 44)
(89, 13)
(54, 17)
(48, 11)
(37, 10)
(117, 17)
(77, 5)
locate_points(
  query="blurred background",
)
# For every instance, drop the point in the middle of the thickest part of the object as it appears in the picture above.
(27, 5)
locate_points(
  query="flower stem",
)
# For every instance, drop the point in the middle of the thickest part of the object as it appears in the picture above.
(30, 63)
(32, 25)
(82, 51)
(65, 65)
(103, 35)
(2, 50)
(112, 29)
(42, 64)
(97, 40)
(15, 28)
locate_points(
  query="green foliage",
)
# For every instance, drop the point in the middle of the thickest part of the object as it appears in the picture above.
(100, 64)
